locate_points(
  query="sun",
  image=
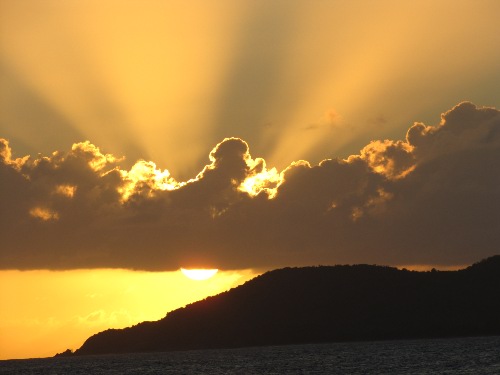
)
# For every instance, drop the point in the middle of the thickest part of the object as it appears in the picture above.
(199, 273)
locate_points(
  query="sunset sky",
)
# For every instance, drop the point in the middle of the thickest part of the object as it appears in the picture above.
(243, 135)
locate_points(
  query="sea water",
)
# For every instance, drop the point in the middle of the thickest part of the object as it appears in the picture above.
(476, 355)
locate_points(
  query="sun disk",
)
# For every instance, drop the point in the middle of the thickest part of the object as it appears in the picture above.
(199, 273)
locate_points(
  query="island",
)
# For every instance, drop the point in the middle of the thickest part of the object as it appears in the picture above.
(323, 304)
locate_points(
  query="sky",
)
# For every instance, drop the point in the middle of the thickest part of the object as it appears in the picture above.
(138, 137)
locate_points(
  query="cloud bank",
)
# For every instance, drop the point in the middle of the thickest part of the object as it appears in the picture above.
(433, 198)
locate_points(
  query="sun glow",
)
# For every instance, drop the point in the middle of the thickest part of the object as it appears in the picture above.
(44, 213)
(47, 312)
(267, 180)
(199, 274)
(164, 81)
(144, 174)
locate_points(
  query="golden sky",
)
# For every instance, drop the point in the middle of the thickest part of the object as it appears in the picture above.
(47, 312)
(167, 80)
(241, 135)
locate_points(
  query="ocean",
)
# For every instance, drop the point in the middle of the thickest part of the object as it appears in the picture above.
(474, 355)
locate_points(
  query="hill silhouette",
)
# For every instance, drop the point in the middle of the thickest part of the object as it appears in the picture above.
(323, 304)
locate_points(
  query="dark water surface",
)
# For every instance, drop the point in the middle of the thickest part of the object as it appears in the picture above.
(477, 355)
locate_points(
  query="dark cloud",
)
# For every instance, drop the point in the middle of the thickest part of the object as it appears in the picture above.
(433, 198)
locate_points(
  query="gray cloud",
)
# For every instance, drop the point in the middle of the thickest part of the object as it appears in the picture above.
(433, 198)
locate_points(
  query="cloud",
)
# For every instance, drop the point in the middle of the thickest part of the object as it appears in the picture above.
(432, 198)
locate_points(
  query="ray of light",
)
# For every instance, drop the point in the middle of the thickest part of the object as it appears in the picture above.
(138, 79)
